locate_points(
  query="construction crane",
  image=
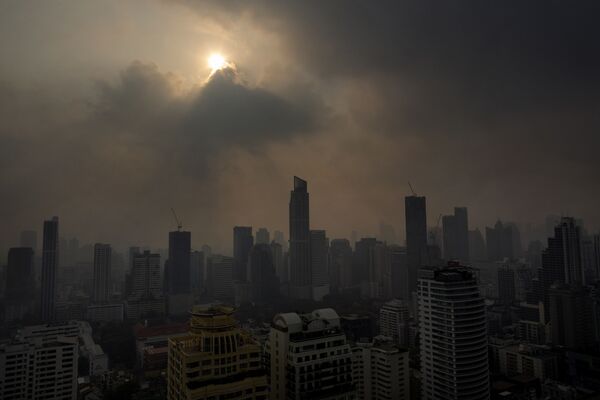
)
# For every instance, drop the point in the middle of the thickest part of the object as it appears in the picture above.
(411, 189)
(176, 219)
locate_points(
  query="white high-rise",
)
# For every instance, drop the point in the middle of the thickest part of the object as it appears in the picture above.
(310, 357)
(453, 337)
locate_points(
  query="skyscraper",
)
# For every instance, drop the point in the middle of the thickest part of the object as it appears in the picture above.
(319, 250)
(242, 244)
(571, 316)
(146, 292)
(300, 265)
(216, 360)
(219, 270)
(178, 274)
(453, 336)
(102, 272)
(340, 265)
(506, 285)
(20, 283)
(262, 273)
(49, 269)
(499, 242)
(415, 211)
(394, 322)
(263, 236)
(456, 235)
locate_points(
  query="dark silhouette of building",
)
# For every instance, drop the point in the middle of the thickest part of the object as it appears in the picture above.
(49, 269)
(456, 235)
(571, 316)
(20, 283)
(415, 210)
(506, 285)
(263, 281)
(300, 265)
(500, 242)
(263, 236)
(242, 244)
(340, 265)
(477, 249)
(400, 273)
(102, 272)
(197, 271)
(319, 249)
(561, 260)
(179, 262)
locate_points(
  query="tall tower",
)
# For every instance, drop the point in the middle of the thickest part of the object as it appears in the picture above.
(452, 325)
(263, 236)
(179, 262)
(216, 360)
(300, 265)
(102, 265)
(242, 244)
(456, 235)
(415, 210)
(146, 293)
(506, 285)
(20, 283)
(319, 250)
(49, 269)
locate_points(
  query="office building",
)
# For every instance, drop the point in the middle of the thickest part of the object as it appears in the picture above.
(280, 267)
(415, 210)
(319, 254)
(400, 274)
(20, 284)
(506, 285)
(145, 297)
(242, 244)
(340, 265)
(216, 360)
(309, 357)
(456, 235)
(178, 273)
(36, 369)
(263, 236)
(300, 262)
(394, 321)
(453, 336)
(102, 273)
(571, 316)
(197, 273)
(49, 269)
(528, 360)
(105, 312)
(380, 370)
(477, 248)
(219, 270)
(263, 281)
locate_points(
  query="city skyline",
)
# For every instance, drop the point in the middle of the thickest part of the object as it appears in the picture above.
(472, 111)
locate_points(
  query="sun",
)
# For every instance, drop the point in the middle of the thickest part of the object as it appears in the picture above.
(216, 62)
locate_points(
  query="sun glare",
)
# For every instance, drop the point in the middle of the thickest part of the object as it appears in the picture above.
(216, 62)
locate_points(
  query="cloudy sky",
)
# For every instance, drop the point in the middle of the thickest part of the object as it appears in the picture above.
(110, 114)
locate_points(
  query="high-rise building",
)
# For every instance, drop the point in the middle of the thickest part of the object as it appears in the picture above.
(506, 285)
(590, 252)
(453, 335)
(28, 239)
(477, 249)
(394, 321)
(263, 236)
(415, 210)
(300, 265)
(310, 357)
(571, 316)
(500, 242)
(49, 269)
(219, 270)
(277, 254)
(197, 271)
(380, 370)
(456, 235)
(102, 272)
(340, 265)
(34, 369)
(263, 281)
(278, 237)
(399, 273)
(319, 250)
(561, 260)
(178, 273)
(216, 360)
(145, 297)
(20, 283)
(242, 244)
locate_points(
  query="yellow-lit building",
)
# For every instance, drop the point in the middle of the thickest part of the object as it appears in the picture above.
(216, 361)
